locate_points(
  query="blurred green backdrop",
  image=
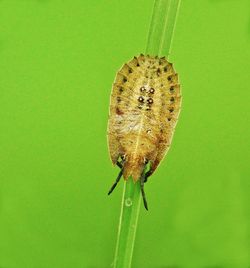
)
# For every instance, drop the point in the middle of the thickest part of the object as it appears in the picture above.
(58, 60)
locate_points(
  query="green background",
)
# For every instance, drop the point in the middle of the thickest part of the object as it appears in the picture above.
(58, 60)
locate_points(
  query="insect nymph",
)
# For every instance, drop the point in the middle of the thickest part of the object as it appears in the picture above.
(144, 107)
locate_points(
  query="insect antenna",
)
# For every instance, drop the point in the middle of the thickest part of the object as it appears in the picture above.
(142, 181)
(120, 165)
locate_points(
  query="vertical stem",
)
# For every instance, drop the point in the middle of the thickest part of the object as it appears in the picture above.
(159, 43)
(130, 209)
(162, 27)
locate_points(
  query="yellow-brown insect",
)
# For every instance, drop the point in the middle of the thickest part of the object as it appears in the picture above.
(144, 107)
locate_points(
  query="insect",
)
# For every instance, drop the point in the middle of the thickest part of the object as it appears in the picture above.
(144, 107)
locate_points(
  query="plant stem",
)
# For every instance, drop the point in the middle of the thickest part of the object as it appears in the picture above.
(131, 200)
(159, 43)
(162, 27)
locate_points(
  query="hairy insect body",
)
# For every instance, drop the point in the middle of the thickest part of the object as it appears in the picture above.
(144, 108)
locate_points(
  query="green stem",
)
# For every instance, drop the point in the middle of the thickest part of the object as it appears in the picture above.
(159, 43)
(162, 27)
(131, 201)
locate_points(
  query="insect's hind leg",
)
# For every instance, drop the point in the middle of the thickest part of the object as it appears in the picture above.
(142, 181)
(120, 165)
(148, 174)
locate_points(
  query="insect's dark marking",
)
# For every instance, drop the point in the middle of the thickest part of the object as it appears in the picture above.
(171, 89)
(150, 101)
(124, 79)
(118, 111)
(172, 99)
(169, 119)
(142, 89)
(118, 99)
(141, 99)
(130, 70)
(121, 89)
(161, 60)
(171, 110)
(151, 90)
(169, 78)
(158, 71)
(165, 69)
(137, 62)
(148, 130)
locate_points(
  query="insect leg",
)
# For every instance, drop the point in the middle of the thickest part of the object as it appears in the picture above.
(148, 174)
(142, 181)
(119, 164)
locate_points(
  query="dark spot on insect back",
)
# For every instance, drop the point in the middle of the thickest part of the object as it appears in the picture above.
(150, 101)
(171, 110)
(158, 71)
(171, 89)
(169, 78)
(141, 99)
(118, 99)
(142, 89)
(169, 119)
(121, 89)
(151, 90)
(130, 70)
(118, 111)
(124, 79)
(165, 69)
(172, 99)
